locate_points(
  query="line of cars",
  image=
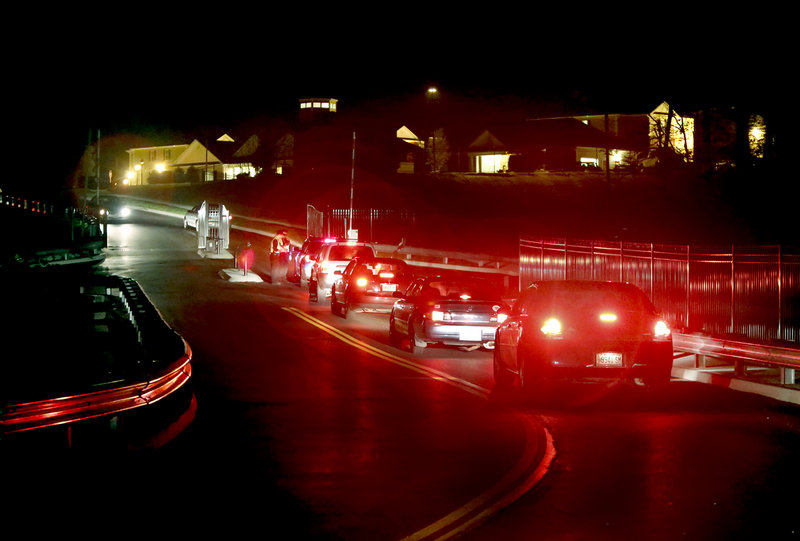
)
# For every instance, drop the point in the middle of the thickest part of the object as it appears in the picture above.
(454, 310)
(577, 330)
(553, 330)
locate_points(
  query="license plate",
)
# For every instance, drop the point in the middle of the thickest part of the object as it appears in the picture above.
(388, 287)
(469, 335)
(608, 358)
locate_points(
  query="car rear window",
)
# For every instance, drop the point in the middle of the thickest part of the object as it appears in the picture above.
(598, 296)
(473, 290)
(379, 267)
(339, 253)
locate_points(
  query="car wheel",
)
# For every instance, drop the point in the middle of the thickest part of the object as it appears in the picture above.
(531, 384)
(503, 379)
(415, 345)
(344, 308)
(394, 337)
(313, 291)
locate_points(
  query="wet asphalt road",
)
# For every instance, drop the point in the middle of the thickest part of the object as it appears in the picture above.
(310, 426)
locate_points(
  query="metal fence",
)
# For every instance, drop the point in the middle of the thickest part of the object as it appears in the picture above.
(746, 291)
(373, 225)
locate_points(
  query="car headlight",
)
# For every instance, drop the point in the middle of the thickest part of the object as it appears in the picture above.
(125, 212)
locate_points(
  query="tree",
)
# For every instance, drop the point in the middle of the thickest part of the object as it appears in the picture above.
(437, 152)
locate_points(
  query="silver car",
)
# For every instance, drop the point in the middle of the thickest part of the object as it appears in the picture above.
(331, 258)
(451, 311)
(190, 218)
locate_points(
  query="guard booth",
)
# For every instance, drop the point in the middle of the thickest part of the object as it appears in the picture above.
(213, 227)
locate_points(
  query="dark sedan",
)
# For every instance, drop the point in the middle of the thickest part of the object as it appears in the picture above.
(582, 330)
(368, 284)
(301, 261)
(109, 207)
(453, 311)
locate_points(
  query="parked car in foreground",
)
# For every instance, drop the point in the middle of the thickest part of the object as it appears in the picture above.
(453, 311)
(582, 330)
(368, 284)
(334, 257)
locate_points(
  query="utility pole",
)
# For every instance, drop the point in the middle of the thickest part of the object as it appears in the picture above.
(352, 185)
(97, 176)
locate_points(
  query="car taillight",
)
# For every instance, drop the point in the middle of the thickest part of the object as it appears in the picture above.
(498, 318)
(438, 315)
(607, 317)
(323, 267)
(362, 282)
(386, 275)
(465, 297)
(552, 328)
(661, 330)
(307, 258)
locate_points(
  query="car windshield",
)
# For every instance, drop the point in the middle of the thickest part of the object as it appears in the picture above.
(105, 201)
(339, 253)
(597, 295)
(465, 289)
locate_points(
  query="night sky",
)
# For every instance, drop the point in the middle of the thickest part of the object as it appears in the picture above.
(70, 77)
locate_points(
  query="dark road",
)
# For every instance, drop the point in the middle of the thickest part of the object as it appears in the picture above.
(314, 427)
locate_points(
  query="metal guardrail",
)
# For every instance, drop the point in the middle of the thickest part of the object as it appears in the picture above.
(741, 354)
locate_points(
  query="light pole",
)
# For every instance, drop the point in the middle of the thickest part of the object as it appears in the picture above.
(433, 98)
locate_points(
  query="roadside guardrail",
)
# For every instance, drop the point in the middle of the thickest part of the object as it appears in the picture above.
(740, 354)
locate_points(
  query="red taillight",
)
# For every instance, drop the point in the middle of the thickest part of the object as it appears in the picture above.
(551, 328)
(362, 282)
(386, 275)
(607, 317)
(661, 329)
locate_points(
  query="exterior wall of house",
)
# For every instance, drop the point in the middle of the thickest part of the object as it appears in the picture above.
(144, 162)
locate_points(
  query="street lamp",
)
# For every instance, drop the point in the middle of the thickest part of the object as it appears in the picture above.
(433, 99)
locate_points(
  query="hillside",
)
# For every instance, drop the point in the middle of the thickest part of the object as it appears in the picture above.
(462, 211)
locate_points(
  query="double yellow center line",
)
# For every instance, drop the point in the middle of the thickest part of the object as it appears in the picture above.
(537, 454)
(377, 352)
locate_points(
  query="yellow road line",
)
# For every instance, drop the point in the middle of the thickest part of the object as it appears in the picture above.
(519, 480)
(420, 368)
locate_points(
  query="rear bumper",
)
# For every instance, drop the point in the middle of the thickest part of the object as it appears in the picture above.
(457, 335)
(565, 361)
(369, 303)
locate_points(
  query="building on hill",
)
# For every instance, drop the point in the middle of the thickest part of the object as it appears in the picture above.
(221, 159)
(585, 141)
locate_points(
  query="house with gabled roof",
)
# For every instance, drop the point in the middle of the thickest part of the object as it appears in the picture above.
(221, 159)
(588, 141)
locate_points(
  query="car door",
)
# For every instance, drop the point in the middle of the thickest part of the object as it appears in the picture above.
(339, 290)
(404, 307)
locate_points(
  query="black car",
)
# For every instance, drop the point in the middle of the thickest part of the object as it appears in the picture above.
(109, 207)
(582, 330)
(368, 284)
(452, 311)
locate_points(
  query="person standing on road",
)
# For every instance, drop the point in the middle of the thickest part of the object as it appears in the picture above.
(279, 256)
